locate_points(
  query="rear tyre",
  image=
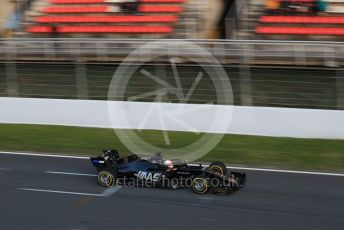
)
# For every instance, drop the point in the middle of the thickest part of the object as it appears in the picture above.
(106, 178)
(218, 168)
(200, 185)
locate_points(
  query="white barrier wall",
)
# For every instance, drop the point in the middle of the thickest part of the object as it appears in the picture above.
(264, 121)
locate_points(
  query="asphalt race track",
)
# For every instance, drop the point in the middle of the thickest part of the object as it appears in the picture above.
(38, 193)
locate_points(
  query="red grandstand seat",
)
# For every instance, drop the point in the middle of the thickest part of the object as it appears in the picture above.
(302, 19)
(39, 29)
(102, 29)
(104, 9)
(109, 1)
(107, 19)
(299, 30)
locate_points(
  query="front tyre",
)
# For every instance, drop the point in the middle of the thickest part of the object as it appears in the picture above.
(200, 185)
(218, 168)
(106, 178)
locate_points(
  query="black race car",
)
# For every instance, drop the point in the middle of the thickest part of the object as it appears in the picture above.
(153, 172)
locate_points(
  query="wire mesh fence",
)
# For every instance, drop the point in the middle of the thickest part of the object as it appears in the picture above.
(276, 87)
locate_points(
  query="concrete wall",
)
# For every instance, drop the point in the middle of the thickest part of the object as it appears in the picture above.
(282, 122)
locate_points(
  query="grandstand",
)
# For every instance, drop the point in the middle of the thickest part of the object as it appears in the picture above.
(244, 19)
(117, 18)
(106, 17)
(297, 19)
(86, 39)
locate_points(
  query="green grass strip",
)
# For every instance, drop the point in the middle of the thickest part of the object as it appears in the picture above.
(250, 151)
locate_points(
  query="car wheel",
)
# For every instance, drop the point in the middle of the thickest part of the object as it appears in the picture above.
(106, 178)
(218, 168)
(200, 185)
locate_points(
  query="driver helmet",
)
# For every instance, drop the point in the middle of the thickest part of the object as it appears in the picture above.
(111, 153)
(169, 164)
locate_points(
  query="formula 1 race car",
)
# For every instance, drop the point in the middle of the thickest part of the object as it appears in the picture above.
(152, 171)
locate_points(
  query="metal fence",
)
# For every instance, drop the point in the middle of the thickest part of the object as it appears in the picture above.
(277, 87)
(262, 73)
(226, 51)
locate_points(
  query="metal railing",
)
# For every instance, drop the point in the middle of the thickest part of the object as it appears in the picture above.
(226, 51)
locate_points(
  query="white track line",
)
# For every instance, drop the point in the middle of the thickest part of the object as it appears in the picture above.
(44, 155)
(288, 171)
(70, 173)
(240, 168)
(5, 169)
(280, 171)
(108, 192)
(60, 192)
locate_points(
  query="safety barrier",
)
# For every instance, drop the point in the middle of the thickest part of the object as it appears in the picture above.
(262, 121)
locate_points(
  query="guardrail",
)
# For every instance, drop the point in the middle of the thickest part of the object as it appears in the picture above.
(226, 51)
(258, 121)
